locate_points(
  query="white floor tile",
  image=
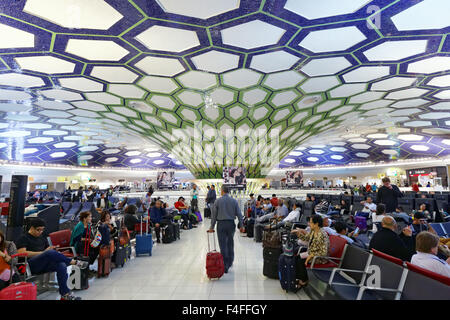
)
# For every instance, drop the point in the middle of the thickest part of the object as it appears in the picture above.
(176, 271)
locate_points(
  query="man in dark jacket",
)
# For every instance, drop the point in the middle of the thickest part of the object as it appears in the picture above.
(103, 201)
(389, 194)
(388, 241)
(157, 214)
(211, 196)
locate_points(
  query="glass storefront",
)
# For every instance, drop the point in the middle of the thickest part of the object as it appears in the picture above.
(434, 177)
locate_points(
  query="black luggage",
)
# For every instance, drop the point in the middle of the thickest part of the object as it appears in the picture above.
(271, 257)
(121, 255)
(250, 228)
(287, 273)
(259, 233)
(168, 233)
(207, 212)
(79, 278)
(176, 226)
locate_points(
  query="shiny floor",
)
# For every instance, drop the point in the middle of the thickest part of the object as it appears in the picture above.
(176, 271)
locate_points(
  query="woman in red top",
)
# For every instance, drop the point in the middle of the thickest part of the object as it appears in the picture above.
(415, 187)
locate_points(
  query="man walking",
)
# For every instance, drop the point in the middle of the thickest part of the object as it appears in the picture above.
(224, 211)
(211, 196)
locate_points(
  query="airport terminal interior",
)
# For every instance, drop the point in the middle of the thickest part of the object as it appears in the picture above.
(131, 129)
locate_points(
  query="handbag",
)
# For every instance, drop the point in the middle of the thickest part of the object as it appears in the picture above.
(97, 239)
(271, 239)
(124, 237)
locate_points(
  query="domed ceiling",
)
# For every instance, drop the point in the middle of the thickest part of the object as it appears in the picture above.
(161, 84)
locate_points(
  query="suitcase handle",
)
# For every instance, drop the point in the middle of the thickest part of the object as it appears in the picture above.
(214, 238)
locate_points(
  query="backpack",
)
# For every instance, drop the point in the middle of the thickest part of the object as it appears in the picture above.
(193, 218)
(168, 233)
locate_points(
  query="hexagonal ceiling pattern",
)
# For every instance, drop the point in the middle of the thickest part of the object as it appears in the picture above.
(121, 83)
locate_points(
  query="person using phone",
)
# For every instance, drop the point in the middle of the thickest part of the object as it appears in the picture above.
(420, 224)
(369, 206)
(44, 258)
(342, 231)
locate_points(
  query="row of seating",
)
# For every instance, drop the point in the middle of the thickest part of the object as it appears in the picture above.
(408, 204)
(71, 210)
(372, 275)
(442, 229)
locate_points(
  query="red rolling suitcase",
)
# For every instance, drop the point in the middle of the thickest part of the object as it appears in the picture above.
(19, 291)
(214, 262)
(104, 259)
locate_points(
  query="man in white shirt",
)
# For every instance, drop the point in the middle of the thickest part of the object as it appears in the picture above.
(293, 216)
(369, 206)
(427, 248)
(326, 226)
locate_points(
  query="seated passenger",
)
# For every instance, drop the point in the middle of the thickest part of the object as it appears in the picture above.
(130, 219)
(267, 207)
(345, 206)
(326, 226)
(293, 216)
(318, 245)
(43, 258)
(400, 213)
(282, 209)
(259, 205)
(82, 233)
(274, 201)
(7, 249)
(122, 204)
(369, 208)
(378, 216)
(420, 224)
(342, 231)
(426, 213)
(388, 241)
(181, 206)
(426, 257)
(157, 214)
